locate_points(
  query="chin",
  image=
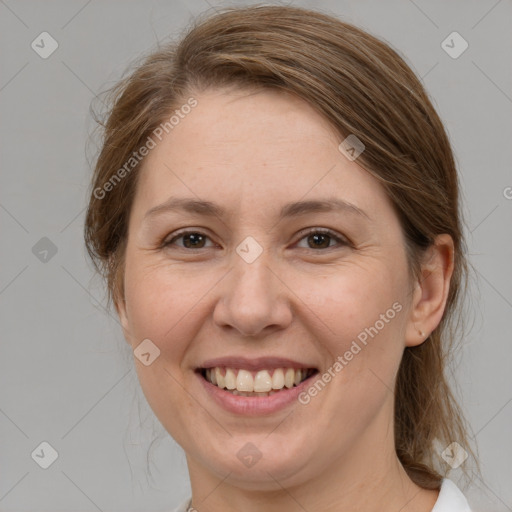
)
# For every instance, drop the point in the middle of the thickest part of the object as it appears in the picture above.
(263, 469)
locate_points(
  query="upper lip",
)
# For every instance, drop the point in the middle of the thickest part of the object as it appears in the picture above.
(255, 364)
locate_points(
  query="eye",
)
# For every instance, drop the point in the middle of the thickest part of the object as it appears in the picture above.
(192, 240)
(320, 238)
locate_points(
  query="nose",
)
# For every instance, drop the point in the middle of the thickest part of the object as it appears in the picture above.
(254, 300)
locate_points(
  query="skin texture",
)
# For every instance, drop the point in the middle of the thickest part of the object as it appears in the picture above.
(252, 152)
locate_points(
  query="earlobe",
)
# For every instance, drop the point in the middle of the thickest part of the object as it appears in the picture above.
(118, 296)
(431, 291)
(120, 305)
(121, 311)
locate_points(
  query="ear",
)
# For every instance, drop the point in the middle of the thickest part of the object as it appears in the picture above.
(120, 305)
(431, 291)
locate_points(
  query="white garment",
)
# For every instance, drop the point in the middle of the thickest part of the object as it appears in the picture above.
(450, 499)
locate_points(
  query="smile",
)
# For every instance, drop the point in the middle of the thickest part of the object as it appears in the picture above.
(266, 382)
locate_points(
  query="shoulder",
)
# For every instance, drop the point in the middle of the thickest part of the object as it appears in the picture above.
(450, 498)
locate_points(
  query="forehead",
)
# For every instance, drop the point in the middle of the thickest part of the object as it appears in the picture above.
(264, 146)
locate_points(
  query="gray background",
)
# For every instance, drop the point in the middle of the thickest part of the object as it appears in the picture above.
(66, 374)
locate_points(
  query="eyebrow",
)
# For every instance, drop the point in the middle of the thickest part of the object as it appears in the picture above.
(209, 209)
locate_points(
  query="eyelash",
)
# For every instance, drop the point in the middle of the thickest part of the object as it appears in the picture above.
(323, 231)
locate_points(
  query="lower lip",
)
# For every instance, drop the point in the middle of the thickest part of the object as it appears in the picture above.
(254, 405)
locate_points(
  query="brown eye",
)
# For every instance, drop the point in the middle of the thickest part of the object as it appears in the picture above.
(316, 239)
(321, 238)
(191, 240)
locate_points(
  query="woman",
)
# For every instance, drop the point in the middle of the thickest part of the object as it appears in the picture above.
(275, 209)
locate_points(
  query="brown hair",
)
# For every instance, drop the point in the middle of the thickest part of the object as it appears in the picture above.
(362, 87)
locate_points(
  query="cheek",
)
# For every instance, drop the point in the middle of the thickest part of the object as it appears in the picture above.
(361, 332)
(160, 307)
(159, 299)
(358, 320)
(350, 301)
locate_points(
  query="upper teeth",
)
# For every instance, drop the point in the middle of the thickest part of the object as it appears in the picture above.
(261, 381)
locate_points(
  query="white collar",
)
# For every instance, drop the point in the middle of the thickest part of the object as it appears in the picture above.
(450, 498)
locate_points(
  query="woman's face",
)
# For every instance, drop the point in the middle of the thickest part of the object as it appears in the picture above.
(258, 286)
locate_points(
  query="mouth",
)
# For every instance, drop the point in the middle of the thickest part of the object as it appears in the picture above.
(255, 383)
